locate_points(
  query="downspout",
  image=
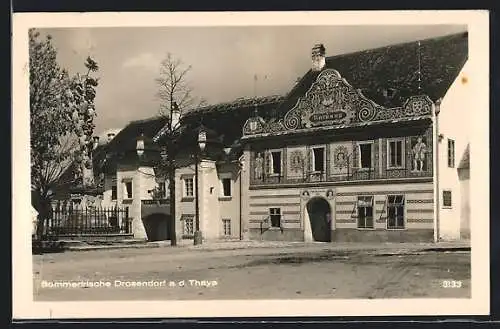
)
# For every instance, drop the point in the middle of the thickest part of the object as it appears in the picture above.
(437, 109)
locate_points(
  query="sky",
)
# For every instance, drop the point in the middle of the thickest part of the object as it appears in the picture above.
(224, 60)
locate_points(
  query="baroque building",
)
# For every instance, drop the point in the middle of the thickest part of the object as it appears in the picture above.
(367, 146)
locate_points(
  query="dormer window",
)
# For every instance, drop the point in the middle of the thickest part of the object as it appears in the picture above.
(389, 93)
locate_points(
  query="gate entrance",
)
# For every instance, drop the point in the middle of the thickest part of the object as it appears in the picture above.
(320, 215)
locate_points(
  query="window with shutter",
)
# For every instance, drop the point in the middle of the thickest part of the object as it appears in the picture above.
(365, 212)
(395, 212)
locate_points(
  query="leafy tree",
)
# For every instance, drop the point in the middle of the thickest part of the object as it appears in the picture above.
(61, 120)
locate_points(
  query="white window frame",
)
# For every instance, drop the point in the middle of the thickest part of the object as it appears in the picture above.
(373, 212)
(442, 199)
(280, 214)
(187, 218)
(126, 181)
(271, 162)
(393, 140)
(116, 192)
(313, 159)
(371, 154)
(224, 221)
(184, 186)
(452, 157)
(387, 212)
(223, 176)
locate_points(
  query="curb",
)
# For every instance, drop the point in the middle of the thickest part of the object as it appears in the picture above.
(382, 250)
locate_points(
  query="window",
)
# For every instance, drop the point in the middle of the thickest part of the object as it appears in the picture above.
(395, 212)
(161, 187)
(188, 187)
(226, 224)
(318, 157)
(275, 163)
(447, 199)
(395, 151)
(451, 153)
(226, 186)
(114, 192)
(188, 228)
(128, 190)
(365, 155)
(275, 216)
(365, 212)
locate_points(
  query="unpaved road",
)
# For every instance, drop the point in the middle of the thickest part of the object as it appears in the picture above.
(254, 273)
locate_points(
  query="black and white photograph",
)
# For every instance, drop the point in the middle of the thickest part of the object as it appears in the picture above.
(253, 162)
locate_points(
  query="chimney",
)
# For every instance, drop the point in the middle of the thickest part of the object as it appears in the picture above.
(110, 136)
(96, 141)
(318, 57)
(176, 115)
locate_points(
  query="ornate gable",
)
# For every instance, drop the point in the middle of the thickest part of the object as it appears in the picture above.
(331, 102)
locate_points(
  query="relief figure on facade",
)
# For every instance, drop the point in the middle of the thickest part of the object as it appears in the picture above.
(297, 162)
(419, 150)
(259, 166)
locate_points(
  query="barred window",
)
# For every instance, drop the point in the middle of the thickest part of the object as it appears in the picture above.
(188, 227)
(447, 199)
(226, 224)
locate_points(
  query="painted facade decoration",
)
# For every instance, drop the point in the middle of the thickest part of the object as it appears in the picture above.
(419, 152)
(333, 103)
(330, 170)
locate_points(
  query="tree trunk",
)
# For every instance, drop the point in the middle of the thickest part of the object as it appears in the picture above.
(42, 203)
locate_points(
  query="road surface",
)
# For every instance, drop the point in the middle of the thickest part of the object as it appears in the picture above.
(253, 273)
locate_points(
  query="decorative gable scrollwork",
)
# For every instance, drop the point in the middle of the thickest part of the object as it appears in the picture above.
(332, 102)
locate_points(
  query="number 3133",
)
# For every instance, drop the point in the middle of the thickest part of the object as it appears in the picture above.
(451, 284)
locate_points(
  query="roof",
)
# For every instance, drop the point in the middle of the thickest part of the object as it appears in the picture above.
(237, 104)
(395, 68)
(126, 139)
(224, 121)
(465, 162)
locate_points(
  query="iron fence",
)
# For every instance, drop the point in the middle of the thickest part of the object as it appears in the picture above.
(74, 220)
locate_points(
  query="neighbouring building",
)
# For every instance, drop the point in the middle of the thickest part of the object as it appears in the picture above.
(367, 146)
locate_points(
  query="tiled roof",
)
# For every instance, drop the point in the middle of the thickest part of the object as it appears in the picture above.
(127, 138)
(236, 104)
(395, 69)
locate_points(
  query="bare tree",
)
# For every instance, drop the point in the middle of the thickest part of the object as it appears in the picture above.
(174, 88)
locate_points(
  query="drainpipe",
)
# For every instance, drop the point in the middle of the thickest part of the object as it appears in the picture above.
(437, 109)
(241, 164)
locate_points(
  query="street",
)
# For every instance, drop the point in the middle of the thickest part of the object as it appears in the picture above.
(251, 273)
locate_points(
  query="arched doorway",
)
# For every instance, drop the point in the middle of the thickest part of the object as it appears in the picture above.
(320, 216)
(157, 227)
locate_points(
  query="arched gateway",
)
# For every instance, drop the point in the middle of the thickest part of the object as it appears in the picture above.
(320, 216)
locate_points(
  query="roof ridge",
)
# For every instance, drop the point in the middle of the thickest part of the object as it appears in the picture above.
(401, 44)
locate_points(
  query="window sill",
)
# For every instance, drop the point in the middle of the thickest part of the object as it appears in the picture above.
(365, 228)
(127, 201)
(275, 228)
(187, 199)
(396, 168)
(225, 198)
(447, 207)
(188, 236)
(397, 229)
(274, 175)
